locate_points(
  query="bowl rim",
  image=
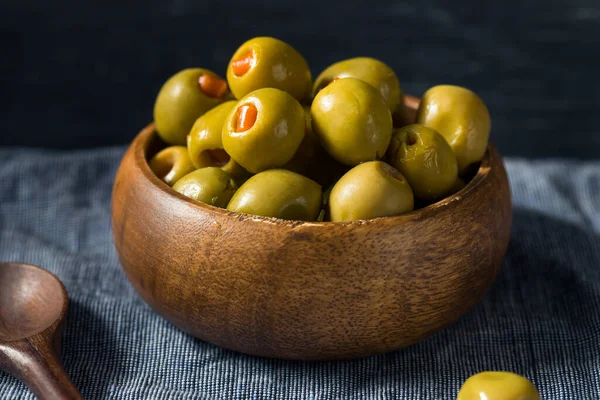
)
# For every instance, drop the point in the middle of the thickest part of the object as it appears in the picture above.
(141, 144)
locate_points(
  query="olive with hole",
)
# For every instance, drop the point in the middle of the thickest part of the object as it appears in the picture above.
(425, 159)
(171, 164)
(352, 121)
(268, 62)
(279, 193)
(264, 130)
(183, 98)
(498, 385)
(205, 144)
(370, 190)
(210, 185)
(374, 72)
(461, 117)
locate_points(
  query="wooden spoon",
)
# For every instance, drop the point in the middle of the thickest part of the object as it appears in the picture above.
(33, 307)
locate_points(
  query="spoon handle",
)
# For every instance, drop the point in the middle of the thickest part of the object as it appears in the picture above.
(34, 361)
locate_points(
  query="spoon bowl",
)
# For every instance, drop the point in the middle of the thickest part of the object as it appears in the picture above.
(33, 308)
(32, 302)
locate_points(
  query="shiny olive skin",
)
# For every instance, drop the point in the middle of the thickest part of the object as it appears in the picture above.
(375, 73)
(461, 117)
(276, 65)
(205, 144)
(274, 137)
(370, 190)
(498, 385)
(279, 193)
(179, 104)
(425, 159)
(352, 121)
(210, 185)
(171, 164)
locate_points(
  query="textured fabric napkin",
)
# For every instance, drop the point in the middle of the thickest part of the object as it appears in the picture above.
(540, 319)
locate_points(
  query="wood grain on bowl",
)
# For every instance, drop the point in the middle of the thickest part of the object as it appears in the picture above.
(303, 290)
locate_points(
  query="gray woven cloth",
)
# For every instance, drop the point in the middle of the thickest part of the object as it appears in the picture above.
(541, 318)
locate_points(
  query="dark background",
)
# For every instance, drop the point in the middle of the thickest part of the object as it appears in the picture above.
(83, 73)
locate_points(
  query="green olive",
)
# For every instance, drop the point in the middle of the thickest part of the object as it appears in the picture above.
(425, 159)
(264, 130)
(205, 144)
(498, 385)
(183, 98)
(375, 73)
(370, 190)
(279, 193)
(204, 140)
(267, 62)
(210, 185)
(171, 164)
(352, 121)
(462, 119)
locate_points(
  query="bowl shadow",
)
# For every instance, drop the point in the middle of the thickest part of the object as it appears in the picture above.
(540, 317)
(90, 352)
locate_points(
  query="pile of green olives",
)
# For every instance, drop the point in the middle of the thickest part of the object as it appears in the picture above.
(267, 140)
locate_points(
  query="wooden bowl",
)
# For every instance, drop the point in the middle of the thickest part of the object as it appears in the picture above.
(308, 290)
